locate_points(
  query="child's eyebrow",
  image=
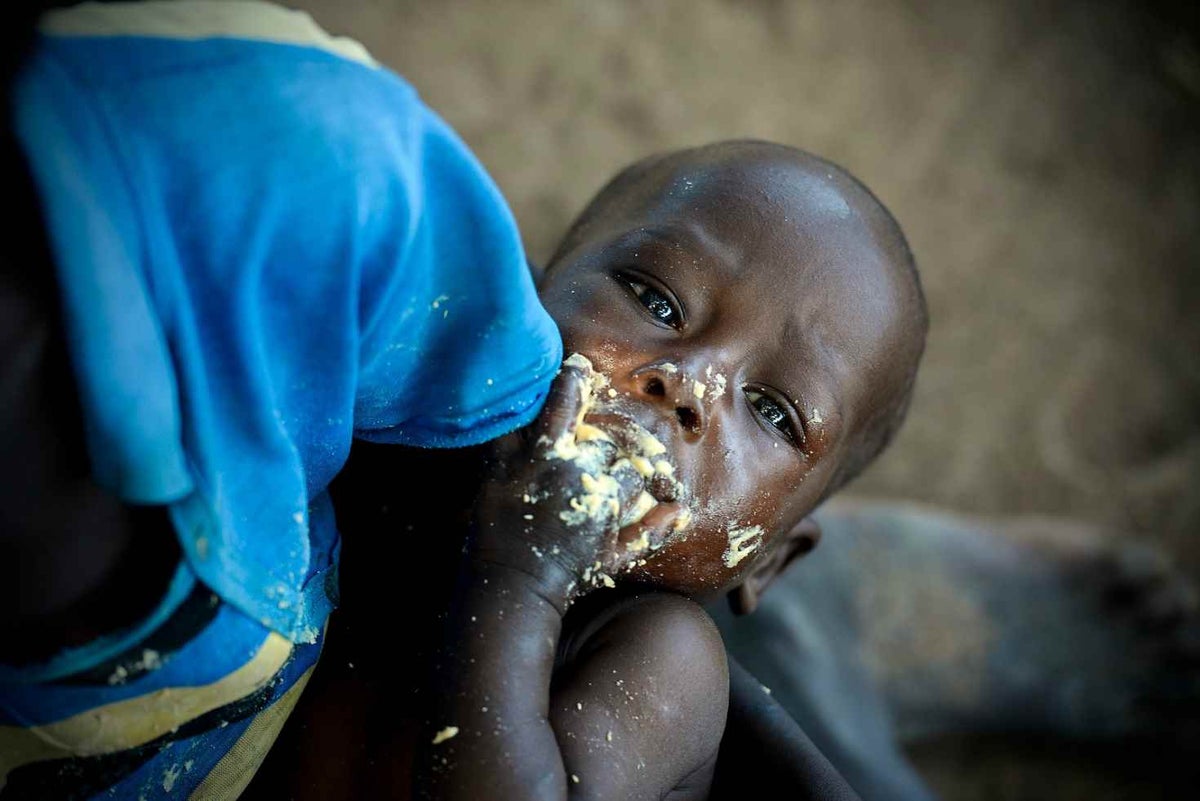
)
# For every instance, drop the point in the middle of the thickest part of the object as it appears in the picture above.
(691, 238)
(665, 235)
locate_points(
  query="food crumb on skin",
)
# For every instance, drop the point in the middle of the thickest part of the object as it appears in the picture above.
(580, 361)
(742, 542)
(718, 381)
(606, 580)
(445, 734)
(586, 432)
(634, 514)
(574, 778)
(641, 464)
(649, 445)
(590, 448)
(608, 737)
(640, 544)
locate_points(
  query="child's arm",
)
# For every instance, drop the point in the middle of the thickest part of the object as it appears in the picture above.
(764, 745)
(490, 733)
(635, 710)
(640, 700)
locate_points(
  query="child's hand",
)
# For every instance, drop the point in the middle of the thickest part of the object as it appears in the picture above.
(552, 503)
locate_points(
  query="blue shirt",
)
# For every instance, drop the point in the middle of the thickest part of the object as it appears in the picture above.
(266, 249)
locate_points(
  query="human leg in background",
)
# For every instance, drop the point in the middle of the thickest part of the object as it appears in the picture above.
(910, 622)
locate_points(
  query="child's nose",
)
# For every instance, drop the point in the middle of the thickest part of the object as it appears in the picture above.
(669, 387)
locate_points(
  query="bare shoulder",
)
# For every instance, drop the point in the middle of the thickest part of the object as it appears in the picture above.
(640, 698)
(654, 629)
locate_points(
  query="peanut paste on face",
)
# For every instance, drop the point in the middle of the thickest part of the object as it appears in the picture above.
(635, 455)
(742, 543)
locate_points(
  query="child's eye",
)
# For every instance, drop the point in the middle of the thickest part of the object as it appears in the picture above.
(660, 306)
(773, 412)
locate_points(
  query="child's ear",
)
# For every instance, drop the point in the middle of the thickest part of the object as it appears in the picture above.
(790, 546)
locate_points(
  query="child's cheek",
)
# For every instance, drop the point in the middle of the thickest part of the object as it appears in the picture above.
(695, 565)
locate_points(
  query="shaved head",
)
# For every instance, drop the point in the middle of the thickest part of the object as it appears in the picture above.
(811, 187)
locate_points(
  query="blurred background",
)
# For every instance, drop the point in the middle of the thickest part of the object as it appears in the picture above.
(1043, 157)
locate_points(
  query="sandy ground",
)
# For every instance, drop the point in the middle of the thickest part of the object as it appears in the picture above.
(1042, 156)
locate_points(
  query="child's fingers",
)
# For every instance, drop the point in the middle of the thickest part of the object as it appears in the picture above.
(630, 485)
(560, 414)
(504, 449)
(637, 540)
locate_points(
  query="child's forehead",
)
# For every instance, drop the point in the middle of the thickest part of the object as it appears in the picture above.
(783, 184)
(793, 209)
(801, 226)
(803, 247)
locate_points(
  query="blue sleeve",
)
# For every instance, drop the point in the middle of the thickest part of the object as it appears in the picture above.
(266, 250)
(456, 348)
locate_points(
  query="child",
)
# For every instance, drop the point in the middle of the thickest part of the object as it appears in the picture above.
(228, 624)
(754, 322)
(756, 311)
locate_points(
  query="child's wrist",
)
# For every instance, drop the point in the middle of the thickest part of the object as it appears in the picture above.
(538, 576)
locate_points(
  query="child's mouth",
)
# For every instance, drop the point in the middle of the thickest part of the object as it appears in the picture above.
(629, 456)
(641, 464)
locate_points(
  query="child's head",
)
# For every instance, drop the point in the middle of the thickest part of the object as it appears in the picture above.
(758, 311)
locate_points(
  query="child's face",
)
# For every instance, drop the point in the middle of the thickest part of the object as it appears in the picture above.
(746, 314)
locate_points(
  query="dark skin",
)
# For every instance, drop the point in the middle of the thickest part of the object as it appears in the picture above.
(739, 245)
(744, 262)
(525, 733)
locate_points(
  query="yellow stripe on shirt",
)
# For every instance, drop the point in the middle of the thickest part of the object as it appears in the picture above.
(233, 773)
(136, 721)
(201, 19)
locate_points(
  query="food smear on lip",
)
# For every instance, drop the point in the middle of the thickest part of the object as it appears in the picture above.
(638, 509)
(634, 454)
(641, 464)
(640, 544)
(742, 543)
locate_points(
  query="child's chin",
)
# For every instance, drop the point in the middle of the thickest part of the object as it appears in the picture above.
(673, 569)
